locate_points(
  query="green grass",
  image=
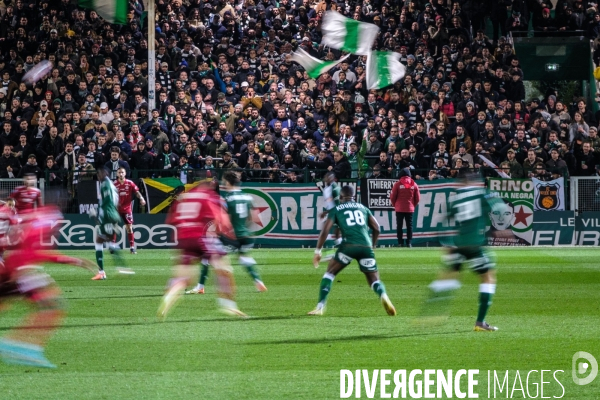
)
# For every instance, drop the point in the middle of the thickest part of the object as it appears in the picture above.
(112, 347)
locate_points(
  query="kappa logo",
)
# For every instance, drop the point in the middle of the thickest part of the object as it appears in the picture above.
(267, 212)
(84, 235)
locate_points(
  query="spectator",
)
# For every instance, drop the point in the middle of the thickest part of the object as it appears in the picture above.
(52, 173)
(586, 160)
(31, 167)
(9, 165)
(405, 197)
(115, 162)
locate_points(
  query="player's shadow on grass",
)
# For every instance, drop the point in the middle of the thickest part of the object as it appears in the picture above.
(153, 321)
(351, 338)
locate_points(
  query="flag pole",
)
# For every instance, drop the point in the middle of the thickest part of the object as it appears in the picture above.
(151, 56)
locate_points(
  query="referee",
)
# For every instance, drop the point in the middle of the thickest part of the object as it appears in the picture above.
(405, 197)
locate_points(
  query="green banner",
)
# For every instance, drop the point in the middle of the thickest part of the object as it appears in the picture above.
(513, 227)
(289, 214)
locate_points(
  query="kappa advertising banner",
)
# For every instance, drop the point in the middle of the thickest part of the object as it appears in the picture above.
(79, 232)
(513, 226)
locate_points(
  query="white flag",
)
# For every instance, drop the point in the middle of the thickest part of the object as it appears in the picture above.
(347, 34)
(313, 66)
(383, 69)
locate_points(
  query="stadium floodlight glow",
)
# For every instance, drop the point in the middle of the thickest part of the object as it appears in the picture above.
(552, 67)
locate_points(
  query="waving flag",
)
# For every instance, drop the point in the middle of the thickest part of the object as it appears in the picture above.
(383, 69)
(347, 34)
(313, 66)
(113, 11)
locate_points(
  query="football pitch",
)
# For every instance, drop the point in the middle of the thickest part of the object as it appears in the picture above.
(112, 346)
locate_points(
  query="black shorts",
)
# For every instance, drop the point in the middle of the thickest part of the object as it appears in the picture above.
(240, 245)
(479, 259)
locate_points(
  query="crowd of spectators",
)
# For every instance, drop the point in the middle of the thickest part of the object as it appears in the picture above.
(228, 95)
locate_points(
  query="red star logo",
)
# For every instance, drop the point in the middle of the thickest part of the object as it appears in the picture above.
(521, 216)
(260, 211)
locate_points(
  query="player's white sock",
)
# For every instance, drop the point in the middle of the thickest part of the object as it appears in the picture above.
(247, 261)
(338, 241)
(226, 303)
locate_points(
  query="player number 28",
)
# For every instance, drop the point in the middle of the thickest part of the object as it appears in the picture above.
(354, 218)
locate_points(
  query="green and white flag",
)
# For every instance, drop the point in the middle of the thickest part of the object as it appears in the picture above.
(113, 11)
(347, 34)
(383, 69)
(313, 66)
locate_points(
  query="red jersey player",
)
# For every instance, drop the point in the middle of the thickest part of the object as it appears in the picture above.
(193, 214)
(27, 197)
(21, 276)
(8, 218)
(127, 189)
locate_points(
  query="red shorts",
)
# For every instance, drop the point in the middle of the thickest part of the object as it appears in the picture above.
(205, 247)
(127, 218)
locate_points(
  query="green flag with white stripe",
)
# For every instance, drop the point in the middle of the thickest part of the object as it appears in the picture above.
(313, 66)
(347, 34)
(113, 11)
(383, 69)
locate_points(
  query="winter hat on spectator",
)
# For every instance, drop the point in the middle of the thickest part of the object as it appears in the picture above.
(430, 111)
(470, 103)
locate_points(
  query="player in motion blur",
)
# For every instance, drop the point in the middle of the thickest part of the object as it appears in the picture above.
(127, 189)
(241, 212)
(22, 276)
(28, 196)
(331, 198)
(469, 208)
(193, 213)
(8, 218)
(107, 222)
(354, 221)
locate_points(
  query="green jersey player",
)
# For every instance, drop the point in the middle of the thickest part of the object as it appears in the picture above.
(469, 208)
(354, 221)
(241, 213)
(331, 199)
(107, 220)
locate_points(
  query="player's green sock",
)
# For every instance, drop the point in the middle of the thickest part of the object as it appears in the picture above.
(99, 247)
(325, 288)
(486, 291)
(378, 287)
(99, 260)
(249, 263)
(203, 274)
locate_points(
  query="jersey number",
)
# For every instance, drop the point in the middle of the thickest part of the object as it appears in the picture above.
(189, 210)
(354, 218)
(241, 210)
(468, 210)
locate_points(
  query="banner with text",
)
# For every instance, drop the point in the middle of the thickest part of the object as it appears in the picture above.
(513, 226)
(289, 214)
